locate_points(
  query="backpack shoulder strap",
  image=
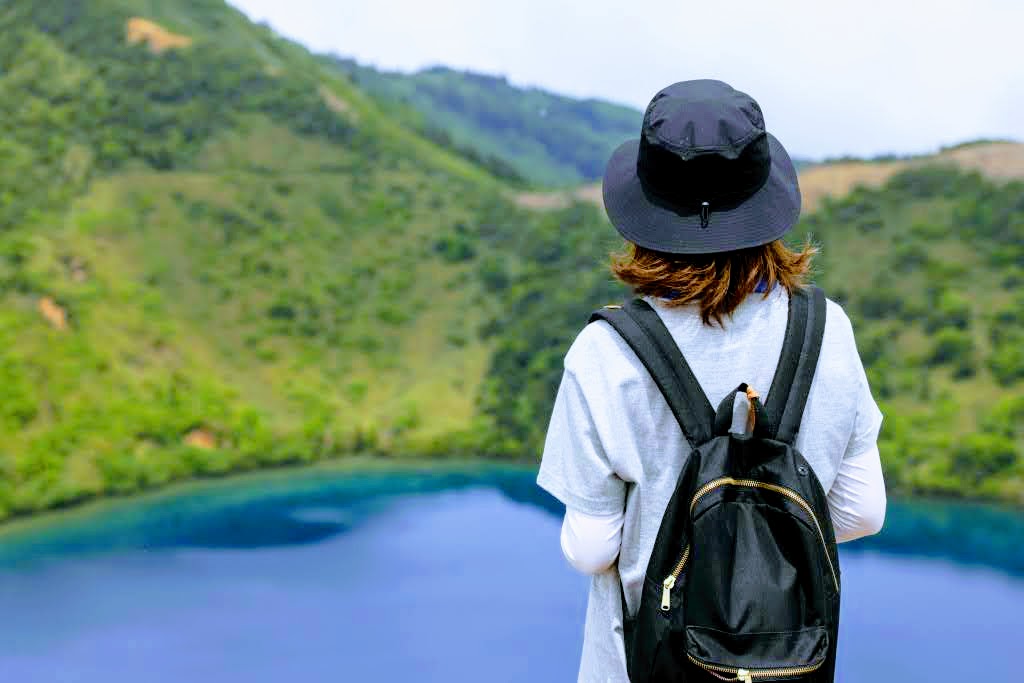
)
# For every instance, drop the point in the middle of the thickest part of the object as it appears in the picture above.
(801, 348)
(641, 328)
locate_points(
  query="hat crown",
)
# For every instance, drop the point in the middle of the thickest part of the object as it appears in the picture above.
(705, 176)
(693, 118)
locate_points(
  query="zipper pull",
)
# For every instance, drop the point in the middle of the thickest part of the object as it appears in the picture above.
(744, 676)
(666, 593)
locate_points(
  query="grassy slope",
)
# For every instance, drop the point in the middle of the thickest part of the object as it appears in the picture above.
(929, 266)
(283, 271)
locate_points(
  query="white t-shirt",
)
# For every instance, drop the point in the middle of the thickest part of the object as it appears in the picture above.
(610, 425)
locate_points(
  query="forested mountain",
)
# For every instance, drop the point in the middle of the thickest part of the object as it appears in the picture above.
(218, 252)
(545, 138)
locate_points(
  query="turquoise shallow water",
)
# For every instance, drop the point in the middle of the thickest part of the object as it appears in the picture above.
(434, 576)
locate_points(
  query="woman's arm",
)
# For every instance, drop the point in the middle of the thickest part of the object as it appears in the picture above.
(591, 542)
(857, 497)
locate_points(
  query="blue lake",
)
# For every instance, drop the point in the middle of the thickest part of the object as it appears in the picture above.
(434, 576)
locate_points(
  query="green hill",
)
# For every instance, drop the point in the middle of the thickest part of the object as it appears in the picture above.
(545, 138)
(929, 266)
(218, 253)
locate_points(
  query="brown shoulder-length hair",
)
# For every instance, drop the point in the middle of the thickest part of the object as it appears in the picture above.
(715, 282)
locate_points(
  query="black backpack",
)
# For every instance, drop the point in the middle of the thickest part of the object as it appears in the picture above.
(743, 581)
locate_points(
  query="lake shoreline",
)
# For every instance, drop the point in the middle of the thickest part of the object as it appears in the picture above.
(362, 463)
(355, 464)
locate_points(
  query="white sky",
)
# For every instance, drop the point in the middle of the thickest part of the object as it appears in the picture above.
(833, 77)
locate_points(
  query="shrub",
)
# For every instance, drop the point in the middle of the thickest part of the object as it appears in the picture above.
(881, 302)
(18, 401)
(1007, 321)
(281, 311)
(951, 309)
(392, 314)
(952, 345)
(932, 181)
(493, 273)
(860, 207)
(122, 473)
(1013, 278)
(356, 391)
(457, 338)
(938, 273)
(929, 230)
(980, 456)
(909, 256)
(874, 344)
(1007, 361)
(408, 418)
(455, 248)
(1006, 417)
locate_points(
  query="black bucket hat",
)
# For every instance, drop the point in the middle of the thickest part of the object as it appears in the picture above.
(704, 177)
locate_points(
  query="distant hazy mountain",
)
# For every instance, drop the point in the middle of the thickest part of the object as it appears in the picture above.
(547, 138)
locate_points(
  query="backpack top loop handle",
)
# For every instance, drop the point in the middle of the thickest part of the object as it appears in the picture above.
(762, 428)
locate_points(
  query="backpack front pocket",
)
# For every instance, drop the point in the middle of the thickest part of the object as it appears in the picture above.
(786, 493)
(752, 657)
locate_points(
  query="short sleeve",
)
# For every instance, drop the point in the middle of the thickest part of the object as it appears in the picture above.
(574, 467)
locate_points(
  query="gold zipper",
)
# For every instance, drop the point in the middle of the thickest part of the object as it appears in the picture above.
(789, 493)
(670, 581)
(749, 675)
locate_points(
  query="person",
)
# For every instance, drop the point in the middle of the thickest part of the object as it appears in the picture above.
(703, 200)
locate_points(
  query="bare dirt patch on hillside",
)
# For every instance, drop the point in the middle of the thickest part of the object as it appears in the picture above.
(1002, 161)
(202, 438)
(53, 313)
(548, 201)
(336, 104)
(997, 160)
(158, 38)
(836, 180)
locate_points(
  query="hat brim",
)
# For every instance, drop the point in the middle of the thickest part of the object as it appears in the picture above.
(645, 220)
